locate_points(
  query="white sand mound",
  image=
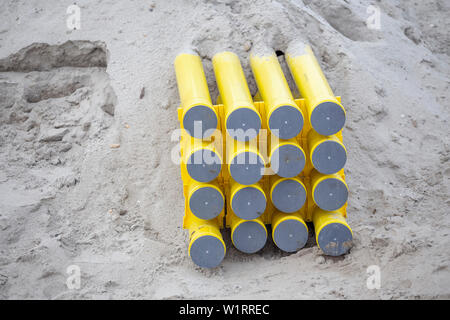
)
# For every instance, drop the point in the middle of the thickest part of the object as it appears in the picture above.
(86, 176)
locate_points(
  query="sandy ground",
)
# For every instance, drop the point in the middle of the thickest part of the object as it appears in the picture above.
(68, 198)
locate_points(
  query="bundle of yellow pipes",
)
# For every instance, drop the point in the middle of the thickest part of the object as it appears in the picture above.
(268, 161)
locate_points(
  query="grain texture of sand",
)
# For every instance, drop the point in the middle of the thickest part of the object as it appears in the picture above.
(87, 180)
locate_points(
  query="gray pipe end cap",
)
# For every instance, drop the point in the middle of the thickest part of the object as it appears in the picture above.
(287, 161)
(329, 157)
(289, 196)
(286, 122)
(207, 252)
(335, 239)
(328, 118)
(206, 203)
(249, 237)
(330, 194)
(204, 165)
(290, 235)
(207, 121)
(243, 124)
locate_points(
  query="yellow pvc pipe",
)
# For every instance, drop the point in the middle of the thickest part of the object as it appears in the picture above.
(205, 200)
(240, 112)
(206, 246)
(200, 159)
(194, 95)
(329, 191)
(284, 117)
(325, 112)
(327, 153)
(333, 234)
(248, 236)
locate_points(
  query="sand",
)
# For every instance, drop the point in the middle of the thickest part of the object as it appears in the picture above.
(87, 180)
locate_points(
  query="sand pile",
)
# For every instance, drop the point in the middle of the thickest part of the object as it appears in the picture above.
(86, 174)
